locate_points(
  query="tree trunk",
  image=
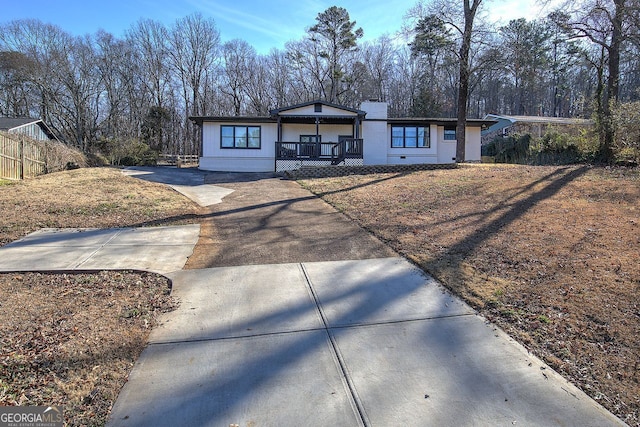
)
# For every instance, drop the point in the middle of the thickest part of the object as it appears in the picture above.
(613, 82)
(463, 86)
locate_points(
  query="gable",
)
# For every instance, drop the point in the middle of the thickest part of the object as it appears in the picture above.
(317, 108)
(325, 111)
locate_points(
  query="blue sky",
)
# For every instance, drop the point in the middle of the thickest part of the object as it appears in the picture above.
(265, 24)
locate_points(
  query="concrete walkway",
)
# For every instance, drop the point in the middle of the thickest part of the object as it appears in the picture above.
(157, 249)
(326, 335)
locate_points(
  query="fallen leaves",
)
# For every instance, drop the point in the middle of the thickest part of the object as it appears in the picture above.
(64, 340)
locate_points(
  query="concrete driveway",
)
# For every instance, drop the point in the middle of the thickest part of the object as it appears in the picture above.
(332, 329)
(291, 315)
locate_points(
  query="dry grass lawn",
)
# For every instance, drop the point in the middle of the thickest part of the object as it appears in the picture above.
(551, 254)
(92, 197)
(71, 339)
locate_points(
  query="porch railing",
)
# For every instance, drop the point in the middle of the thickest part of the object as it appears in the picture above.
(336, 152)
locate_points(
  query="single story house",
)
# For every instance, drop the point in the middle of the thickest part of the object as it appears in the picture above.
(33, 128)
(321, 133)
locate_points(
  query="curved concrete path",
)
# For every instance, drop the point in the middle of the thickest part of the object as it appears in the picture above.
(329, 333)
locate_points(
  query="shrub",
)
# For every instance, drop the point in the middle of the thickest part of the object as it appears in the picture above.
(129, 152)
(558, 146)
(514, 149)
(60, 156)
(626, 120)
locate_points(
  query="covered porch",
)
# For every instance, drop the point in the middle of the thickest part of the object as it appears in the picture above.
(328, 135)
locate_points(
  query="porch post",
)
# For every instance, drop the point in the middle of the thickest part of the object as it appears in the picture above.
(279, 129)
(318, 147)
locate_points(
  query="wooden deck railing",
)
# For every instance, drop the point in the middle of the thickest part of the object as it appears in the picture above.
(336, 152)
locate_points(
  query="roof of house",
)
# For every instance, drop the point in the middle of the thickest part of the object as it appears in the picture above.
(483, 123)
(11, 123)
(8, 123)
(232, 119)
(274, 114)
(333, 118)
(540, 119)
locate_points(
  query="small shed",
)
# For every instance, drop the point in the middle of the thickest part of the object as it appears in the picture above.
(33, 128)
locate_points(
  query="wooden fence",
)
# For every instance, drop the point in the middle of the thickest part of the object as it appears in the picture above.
(21, 157)
(178, 160)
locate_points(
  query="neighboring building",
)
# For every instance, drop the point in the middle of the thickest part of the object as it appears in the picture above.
(321, 133)
(534, 125)
(34, 128)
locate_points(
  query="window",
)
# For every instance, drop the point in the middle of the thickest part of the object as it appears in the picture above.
(240, 137)
(308, 146)
(449, 134)
(310, 138)
(317, 107)
(410, 137)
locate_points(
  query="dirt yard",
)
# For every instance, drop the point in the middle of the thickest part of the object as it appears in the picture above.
(71, 339)
(551, 254)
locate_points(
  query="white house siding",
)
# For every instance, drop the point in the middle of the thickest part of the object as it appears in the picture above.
(309, 110)
(215, 158)
(401, 156)
(291, 131)
(447, 149)
(374, 146)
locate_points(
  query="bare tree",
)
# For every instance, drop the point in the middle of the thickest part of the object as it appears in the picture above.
(308, 71)
(459, 17)
(278, 67)
(239, 59)
(258, 93)
(15, 84)
(149, 39)
(404, 83)
(470, 10)
(377, 58)
(79, 103)
(608, 24)
(113, 59)
(194, 49)
(42, 44)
